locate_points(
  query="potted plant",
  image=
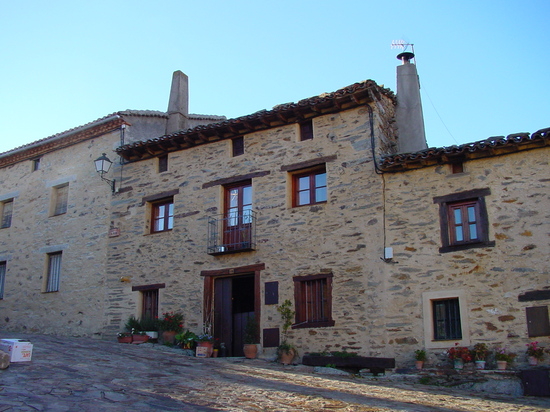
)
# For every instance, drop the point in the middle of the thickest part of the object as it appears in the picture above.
(124, 337)
(171, 324)
(150, 326)
(535, 353)
(503, 358)
(420, 357)
(480, 353)
(205, 345)
(286, 351)
(139, 337)
(251, 340)
(459, 355)
(186, 339)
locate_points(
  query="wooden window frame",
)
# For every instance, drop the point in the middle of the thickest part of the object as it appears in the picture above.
(474, 197)
(163, 163)
(312, 187)
(321, 298)
(452, 322)
(306, 130)
(53, 272)
(61, 200)
(6, 213)
(237, 146)
(168, 219)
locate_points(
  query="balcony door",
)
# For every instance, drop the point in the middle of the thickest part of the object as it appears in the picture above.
(237, 231)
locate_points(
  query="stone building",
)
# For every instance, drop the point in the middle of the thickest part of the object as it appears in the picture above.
(381, 252)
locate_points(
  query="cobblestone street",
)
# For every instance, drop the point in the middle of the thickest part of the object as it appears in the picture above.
(77, 374)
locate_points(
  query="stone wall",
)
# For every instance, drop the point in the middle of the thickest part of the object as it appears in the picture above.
(488, 279)
(81, 235)
(343, 235)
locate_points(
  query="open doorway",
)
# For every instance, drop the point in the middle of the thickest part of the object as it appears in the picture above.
(234, 304)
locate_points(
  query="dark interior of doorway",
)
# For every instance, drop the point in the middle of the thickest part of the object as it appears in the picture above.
(233, 306)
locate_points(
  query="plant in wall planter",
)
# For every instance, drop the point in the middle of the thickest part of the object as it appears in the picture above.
(420, 357)
(503, 358)
(171, 324)
(535, 353)
(480, 353)
(286, 352)
(251, 339)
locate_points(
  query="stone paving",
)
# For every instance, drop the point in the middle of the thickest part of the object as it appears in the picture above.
(78, 374)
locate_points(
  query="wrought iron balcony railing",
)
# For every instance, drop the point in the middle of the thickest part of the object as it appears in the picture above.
(232, 232)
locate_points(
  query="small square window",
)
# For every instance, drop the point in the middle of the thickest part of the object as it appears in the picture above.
(54, 272)
(313, 301)
(446, 318)
(538, 323)
(61, 198)
(306, 130)
(163, 163)
(238, 146)
(457, 167)
(309, 187)
(6, 211)
(2, 278)
(463, 220)
(162, 215)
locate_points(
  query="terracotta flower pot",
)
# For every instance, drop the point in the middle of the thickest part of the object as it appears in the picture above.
(287, 357)
(124, 339)
(169, 336)
(501, 365)
(250, 350)
(419, 364)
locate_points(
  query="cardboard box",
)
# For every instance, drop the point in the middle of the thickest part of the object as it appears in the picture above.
(18, 350)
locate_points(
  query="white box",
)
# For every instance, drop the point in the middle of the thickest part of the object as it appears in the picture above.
(18, 350)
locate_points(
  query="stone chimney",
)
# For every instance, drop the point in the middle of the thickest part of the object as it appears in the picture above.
(178, 105)
(410, 120)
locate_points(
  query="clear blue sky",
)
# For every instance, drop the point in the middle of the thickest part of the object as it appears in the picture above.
(483, 64)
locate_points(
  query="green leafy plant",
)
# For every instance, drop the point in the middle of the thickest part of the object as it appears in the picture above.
(287, 315)
(149, 324)
(132, 324)
(420, 355)
(186, 339)
(501, 354)
(251, 331)
(480, 351)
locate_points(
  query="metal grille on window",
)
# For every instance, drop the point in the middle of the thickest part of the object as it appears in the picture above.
(7, 210)
(54, 272)
(446, 315)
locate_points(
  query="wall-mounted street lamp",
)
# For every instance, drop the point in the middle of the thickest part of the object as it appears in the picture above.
(102, 166)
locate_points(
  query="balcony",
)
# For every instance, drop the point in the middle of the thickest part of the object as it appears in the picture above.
(231, 233)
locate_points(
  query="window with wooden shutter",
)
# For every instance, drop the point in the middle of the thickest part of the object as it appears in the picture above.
(538, 322)
(313, 301)
(7, 211)
(61, 194)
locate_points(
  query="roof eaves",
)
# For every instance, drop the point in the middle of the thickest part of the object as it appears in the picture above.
(492, 146)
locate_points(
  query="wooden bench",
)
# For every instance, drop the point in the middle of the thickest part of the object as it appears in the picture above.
(355, 363)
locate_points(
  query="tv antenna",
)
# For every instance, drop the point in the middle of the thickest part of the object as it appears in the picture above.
(403, 45)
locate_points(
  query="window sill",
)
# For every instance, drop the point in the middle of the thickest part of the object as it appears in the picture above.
(324, 324)
(465, 246)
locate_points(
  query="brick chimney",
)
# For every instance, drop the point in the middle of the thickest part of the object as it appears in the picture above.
(178, 105)
(410, 120)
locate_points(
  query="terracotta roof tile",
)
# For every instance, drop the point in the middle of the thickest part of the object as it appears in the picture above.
(483, 148)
